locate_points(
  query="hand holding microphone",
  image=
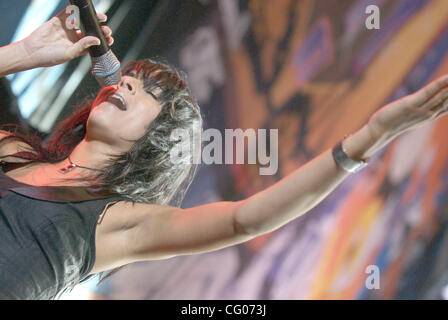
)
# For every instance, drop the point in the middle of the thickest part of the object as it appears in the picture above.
(54, 43)
(105, 65)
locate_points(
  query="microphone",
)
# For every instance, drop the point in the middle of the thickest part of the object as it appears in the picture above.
(105, 65)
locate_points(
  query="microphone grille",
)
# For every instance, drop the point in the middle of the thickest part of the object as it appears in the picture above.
(106, 69)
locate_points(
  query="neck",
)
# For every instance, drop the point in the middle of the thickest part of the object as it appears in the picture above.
(91, 154)
(86, 157)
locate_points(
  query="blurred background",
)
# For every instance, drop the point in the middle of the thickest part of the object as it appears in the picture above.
(311, 69)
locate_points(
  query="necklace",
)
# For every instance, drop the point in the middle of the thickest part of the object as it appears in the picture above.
(72, 166)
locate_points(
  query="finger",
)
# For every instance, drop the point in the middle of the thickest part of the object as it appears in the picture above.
(424, 94)
(80, 47)
(101, 17)
(437, 100)
(110, 41)
(442, 110)
(107, 31)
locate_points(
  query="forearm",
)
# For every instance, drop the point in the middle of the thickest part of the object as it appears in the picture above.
(303, 189)
(14, 58)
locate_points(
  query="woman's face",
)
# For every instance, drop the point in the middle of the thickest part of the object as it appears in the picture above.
(122, 113)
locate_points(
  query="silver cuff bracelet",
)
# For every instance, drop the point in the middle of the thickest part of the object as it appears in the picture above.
(345, 162)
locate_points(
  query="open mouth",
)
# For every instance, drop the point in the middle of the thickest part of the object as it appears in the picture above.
(118, 100)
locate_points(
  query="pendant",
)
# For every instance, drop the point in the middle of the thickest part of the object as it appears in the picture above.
(67, 169)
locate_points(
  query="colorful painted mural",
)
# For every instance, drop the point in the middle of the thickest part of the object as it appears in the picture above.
(312, 69)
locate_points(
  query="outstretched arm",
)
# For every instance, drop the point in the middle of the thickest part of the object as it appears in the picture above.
(160, 232)
(51, 44)
(310, 184)
(157, 232)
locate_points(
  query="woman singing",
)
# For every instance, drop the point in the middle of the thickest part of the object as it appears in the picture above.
(102, 191)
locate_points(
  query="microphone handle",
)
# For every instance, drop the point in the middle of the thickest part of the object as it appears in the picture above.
(90, 26)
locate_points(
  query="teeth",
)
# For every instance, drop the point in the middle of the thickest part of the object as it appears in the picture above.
(119, 100)
(120, 97)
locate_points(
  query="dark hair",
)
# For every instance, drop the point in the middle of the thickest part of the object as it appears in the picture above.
(145, 173)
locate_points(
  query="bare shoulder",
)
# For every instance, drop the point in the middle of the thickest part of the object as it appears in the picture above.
(11, 146)
(115, 233)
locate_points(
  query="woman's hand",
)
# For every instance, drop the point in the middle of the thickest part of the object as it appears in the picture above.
(410, 112)
(53, 43)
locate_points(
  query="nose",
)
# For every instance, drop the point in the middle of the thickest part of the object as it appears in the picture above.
(128, 84)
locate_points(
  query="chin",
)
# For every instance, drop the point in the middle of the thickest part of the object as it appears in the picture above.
(99, 127)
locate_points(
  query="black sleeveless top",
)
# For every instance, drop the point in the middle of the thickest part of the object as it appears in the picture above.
(47, 238)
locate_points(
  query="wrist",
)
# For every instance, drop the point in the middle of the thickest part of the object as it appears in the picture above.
(344, 161)
(28, 53)
(377, 132)
(362, 144)
(14, 58)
